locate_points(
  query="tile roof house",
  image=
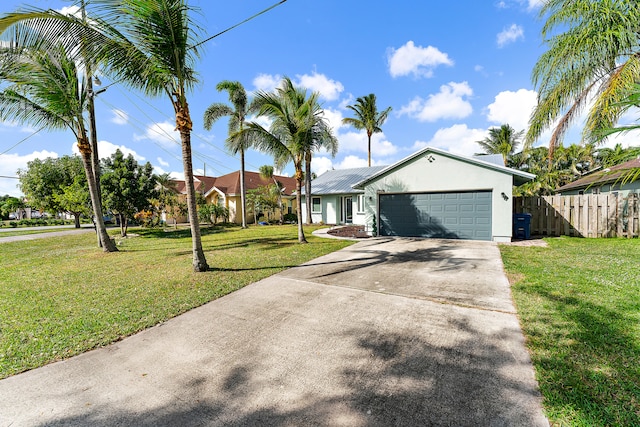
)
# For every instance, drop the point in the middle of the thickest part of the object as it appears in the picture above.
(225, 190)
(609, 180)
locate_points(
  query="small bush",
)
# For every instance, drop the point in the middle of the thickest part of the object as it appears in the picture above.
(290, 217)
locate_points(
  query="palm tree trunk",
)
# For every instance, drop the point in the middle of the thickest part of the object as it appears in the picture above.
(307, 185)
(199, 260)
(243, 201)
(108, 245)
(369, 147)
(301, 238)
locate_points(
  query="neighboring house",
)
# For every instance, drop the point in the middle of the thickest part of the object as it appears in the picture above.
(333, 198)
(225, 191)
(434, 193)
(609, 180)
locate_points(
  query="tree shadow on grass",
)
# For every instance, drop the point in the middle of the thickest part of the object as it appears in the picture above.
(597, 374)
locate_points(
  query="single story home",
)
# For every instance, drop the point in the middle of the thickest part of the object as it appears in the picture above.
(431, 193)
(225, 191)
(333, 198)
(604, 181)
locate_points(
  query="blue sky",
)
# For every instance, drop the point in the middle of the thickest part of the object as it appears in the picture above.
(450, 71)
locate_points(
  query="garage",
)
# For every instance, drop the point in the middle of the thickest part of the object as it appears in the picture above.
(434, 193)
(448, 215)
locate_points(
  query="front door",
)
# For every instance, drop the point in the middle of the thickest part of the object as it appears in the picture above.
(347, 209)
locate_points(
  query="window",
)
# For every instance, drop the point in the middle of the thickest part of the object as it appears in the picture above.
(316, 205)
(360, 208)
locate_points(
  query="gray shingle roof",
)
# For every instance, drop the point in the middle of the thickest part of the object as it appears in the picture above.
(340, 181)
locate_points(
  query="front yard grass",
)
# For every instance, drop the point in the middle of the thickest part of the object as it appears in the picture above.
(579, 306)
(63, 296)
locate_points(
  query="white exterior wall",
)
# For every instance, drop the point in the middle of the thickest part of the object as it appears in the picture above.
(331, 210)
(446, 174)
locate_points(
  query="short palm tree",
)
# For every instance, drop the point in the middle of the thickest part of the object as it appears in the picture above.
(236, 143)
(294, 118)
(44, 89)
(367, 117)
(592, 60)
(502, 140)
(267, 172)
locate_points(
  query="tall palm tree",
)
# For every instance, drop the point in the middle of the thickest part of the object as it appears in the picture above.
(593, 59)
(367, 117)
(236, 143)
(151, 46)
(501, 140)
(294, 120)
(45, 90)
(154, 50)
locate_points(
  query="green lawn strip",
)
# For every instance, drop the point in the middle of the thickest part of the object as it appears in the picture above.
(579, 305)
(60, 297)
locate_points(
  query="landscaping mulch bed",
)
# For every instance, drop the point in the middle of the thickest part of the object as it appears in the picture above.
(354, 231)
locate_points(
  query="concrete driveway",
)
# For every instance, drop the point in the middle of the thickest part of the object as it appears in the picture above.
(388, 332)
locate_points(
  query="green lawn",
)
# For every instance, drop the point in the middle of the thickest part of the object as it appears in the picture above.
(63, 296)
(579, 306)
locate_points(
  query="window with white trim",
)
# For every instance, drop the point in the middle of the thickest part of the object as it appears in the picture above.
(360, 207)
(316, 205)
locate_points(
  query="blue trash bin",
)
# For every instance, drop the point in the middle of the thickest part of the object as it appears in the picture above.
(522, 226)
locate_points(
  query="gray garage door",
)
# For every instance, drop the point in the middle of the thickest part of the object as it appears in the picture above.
(459, 215)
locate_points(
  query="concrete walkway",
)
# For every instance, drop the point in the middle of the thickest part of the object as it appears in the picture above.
(64, 231)
(387, 332)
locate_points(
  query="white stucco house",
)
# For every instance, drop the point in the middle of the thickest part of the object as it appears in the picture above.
(431, 193)
(333, 198)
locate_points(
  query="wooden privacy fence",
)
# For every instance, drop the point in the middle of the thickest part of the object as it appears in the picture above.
(589, 215)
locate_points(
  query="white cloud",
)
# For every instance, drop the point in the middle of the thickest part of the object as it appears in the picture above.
(534, 4)
(106, 149)
(72, 11)
(513, 108)
(266, 82)
(163, 133)
(457, 139)
(449, 103)
(357, 142)
(509, 35)
(334, 118)
(120, 117)
(162, 162)
(328, 89)
(320, 165)
(417, 60)
(9, 165)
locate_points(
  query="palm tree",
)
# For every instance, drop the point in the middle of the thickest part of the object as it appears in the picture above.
(501, 140)
(153, 50)
(294, 119)
(593, 59)
(367, 117)
(267, 172)
(45, 91)
(237, 143)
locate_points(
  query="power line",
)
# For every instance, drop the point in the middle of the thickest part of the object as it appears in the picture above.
(238, 24)
(21, 141)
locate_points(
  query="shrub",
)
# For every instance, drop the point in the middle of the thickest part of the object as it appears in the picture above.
(290, 217)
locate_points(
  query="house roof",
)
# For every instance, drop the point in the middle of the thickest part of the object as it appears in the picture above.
(603, 176)
(230, 183)
(519, 177)
(341, 181)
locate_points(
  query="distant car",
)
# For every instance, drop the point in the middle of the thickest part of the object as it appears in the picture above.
(12, 216)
